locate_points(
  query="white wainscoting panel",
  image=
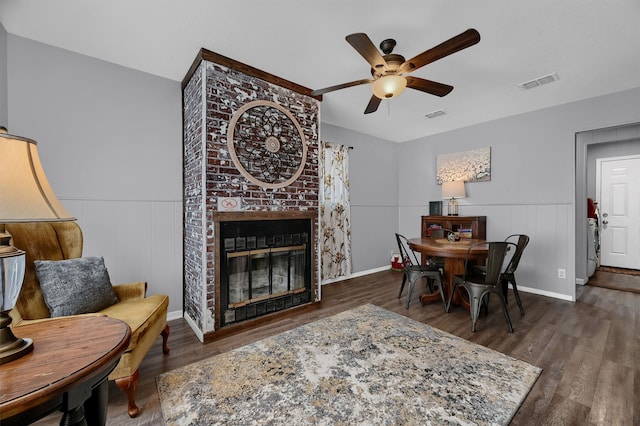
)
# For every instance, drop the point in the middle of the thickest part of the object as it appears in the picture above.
(139, 240)
(547, 226)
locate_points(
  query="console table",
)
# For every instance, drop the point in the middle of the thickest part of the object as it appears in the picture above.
(67, 370)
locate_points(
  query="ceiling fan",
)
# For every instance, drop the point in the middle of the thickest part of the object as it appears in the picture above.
(388, 71)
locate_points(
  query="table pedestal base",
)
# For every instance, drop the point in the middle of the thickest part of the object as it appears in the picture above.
(452, 267)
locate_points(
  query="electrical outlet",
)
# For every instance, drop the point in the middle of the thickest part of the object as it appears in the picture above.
(562, 273)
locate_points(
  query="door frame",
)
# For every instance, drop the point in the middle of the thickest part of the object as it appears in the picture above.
(583, 139)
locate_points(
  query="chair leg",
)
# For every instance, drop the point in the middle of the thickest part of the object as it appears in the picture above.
(506, 312)
(129, 386)
(505, 289)
(485, 303)
(474, 306)
(165, 339)
(411, 284)
(430, 284)
(515, 293)
(453, 290)
(444, 302)
(404, 279)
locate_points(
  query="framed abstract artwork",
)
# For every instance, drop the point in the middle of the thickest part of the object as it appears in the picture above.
(467, 166)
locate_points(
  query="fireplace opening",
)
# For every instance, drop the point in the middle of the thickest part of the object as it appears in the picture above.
(265, 267)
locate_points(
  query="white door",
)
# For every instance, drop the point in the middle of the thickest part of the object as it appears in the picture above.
(619, 208)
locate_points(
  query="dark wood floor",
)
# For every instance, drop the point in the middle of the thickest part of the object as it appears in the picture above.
(588, 349)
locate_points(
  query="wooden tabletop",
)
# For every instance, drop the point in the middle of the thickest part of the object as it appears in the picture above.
(455, 254)
(441, 247)
(67, 351)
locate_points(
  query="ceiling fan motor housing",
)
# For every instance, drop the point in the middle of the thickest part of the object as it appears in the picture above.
(393, 65)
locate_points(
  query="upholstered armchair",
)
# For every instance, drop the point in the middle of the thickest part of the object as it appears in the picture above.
(145, 315)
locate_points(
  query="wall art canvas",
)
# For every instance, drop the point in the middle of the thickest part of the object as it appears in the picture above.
(469, 166)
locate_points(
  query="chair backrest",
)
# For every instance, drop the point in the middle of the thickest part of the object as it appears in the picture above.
(409, 257)
(42, 241)
(523, 240)
(497, 251)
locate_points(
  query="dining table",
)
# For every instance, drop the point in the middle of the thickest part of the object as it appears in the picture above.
(454, 254)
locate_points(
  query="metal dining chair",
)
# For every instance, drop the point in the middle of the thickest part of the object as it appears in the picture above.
(479, 285)
(508, 276)
(413, 271)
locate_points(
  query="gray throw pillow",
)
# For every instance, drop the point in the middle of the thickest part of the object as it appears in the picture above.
(75, 286)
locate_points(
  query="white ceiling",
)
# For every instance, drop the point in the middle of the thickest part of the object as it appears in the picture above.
(593, 46)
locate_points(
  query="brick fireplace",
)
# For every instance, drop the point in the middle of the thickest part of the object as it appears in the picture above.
(250, 138)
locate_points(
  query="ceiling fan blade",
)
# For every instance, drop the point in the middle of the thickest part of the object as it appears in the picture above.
(453, 45)
(432, 87)
(340, 86)
(373, 104)
(363, 44)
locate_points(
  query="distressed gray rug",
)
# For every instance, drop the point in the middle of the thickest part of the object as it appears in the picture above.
(366, 366)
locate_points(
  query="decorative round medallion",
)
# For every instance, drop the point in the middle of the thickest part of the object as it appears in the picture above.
(267, 144)
(272, 144)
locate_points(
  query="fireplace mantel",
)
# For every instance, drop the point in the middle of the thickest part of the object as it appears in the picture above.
(264, 215)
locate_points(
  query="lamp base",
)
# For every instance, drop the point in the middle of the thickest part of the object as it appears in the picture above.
(20, 349)
(452, 207)
(11, 347)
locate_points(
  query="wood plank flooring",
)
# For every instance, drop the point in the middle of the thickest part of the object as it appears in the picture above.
(588, 349)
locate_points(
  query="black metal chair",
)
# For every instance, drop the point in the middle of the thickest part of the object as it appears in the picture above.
(480, 285)
(413, 271)
(508, 276)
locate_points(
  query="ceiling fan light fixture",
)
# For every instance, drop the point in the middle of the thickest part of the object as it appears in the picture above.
(389, 86)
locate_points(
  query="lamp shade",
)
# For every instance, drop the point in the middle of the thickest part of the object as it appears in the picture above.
(25, 196)
(389, 86)
(454, 189)
(25, 193)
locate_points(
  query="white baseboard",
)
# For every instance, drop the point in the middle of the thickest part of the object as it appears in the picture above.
(356, 274)
(195, 328)
(582, 281)
(174, 315)
(546, 293)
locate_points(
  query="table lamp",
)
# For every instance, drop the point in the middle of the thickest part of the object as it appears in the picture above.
(25, 196)
(453, 190)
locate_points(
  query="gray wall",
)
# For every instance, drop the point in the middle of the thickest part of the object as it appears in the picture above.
(532, 185)
(4, 107)
(373, 176)
(110, 139)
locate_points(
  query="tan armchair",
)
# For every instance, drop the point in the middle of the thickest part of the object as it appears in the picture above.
(146, 315)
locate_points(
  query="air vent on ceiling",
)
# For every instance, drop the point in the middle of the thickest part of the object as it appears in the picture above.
(539, 81)
(434, 114)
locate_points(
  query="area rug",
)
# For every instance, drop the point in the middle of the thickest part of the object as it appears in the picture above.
(365, 366)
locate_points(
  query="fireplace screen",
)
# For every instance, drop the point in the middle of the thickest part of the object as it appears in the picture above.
(264, 273)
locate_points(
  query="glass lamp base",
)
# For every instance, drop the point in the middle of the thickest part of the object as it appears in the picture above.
(452, 206)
